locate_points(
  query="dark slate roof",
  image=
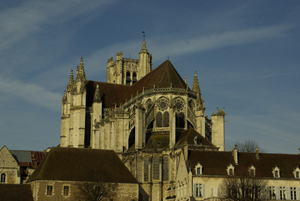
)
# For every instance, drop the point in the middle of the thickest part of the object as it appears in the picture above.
(187, 137)
(112, 94)
(28, 158)
(13, 192)
(74, 164)
(215, 163)
(158, 141)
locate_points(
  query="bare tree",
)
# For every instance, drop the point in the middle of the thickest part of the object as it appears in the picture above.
(95, 191)
(248, 146)
(243, 188)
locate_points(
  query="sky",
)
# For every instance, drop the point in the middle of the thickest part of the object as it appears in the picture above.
(246, 54)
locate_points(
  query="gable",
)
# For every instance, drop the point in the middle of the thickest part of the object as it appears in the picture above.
(7, 159)
(164, 76)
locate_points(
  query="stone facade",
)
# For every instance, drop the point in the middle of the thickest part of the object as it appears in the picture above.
(139, 113)
(16, 166)
(67, 190)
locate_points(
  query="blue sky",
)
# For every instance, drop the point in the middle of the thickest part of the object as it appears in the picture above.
(246, 54)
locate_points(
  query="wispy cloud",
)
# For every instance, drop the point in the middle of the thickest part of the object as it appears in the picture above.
(32, 16)
(31, 93)
(177, 46)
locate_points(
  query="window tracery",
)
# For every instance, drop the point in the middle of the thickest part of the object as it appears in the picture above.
(162, 104)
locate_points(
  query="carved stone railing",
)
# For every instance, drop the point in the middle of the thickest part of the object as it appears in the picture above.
(159, 90)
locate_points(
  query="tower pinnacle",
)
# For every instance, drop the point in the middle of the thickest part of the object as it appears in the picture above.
(196, 87)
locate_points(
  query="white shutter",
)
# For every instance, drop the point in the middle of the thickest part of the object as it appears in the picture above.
(288, 193)
(194, 190)
(298, 193)
(277, 193)
(203, 190)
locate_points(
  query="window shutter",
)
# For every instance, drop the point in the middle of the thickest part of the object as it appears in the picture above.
(277, 192)
(288, 193)
(194, 190)
(298, 193)
(203, 193)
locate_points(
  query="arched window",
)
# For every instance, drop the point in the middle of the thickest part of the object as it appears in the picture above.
(146, 169)
(128, 79)
(180, 120)
(134, 77)
(156, 168)
(166, 119)
(3, 177)
(165, 169)
(131, 139)
(159, 119)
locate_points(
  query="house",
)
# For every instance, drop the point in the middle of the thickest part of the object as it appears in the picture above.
(16, 166)
(64, 170)
(201, 174)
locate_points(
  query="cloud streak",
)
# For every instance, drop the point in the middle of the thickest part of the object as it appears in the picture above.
(32, 94)
(32, 16)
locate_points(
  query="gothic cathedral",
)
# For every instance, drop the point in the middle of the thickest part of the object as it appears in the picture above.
(148, 117)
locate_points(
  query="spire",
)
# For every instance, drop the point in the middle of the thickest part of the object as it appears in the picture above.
(71, 82)
(196, 87)
(144, 49)
(97, 97)
(80, 76)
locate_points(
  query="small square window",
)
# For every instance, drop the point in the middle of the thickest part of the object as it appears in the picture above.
(49, 190)
(66, 190)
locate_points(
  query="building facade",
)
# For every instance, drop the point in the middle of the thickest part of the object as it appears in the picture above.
(16, 166)
(158, 127)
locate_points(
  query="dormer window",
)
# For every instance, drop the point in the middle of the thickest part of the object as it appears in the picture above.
(276, 172)
(198, 169)
(197, 140)
(296, 173)
(230, 170)
(252, 171)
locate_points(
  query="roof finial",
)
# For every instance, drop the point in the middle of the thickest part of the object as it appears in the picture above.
(195, 86)
(185, 78)
(144, 35)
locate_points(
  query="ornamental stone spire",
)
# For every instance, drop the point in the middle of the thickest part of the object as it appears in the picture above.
(97, 96)
(196, 87)
(71, 82)
(80, 76)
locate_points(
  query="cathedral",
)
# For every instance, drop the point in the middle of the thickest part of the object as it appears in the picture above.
(147, 116)
(144, 132)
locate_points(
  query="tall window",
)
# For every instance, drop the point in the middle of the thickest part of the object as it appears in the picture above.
(198, 190)
(156, 168)
(297, 174)
(3, 178)
(134, 77)
(166, 119)
(180, 120)
(159, 119)
(165, 169)
(66, 190)
(276, 174)
(293, 193)
(128, 80)
(282, 193)
(146, 169)
(49, 190)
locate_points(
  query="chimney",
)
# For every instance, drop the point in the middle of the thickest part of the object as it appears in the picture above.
(235, 154)
(257, 153)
